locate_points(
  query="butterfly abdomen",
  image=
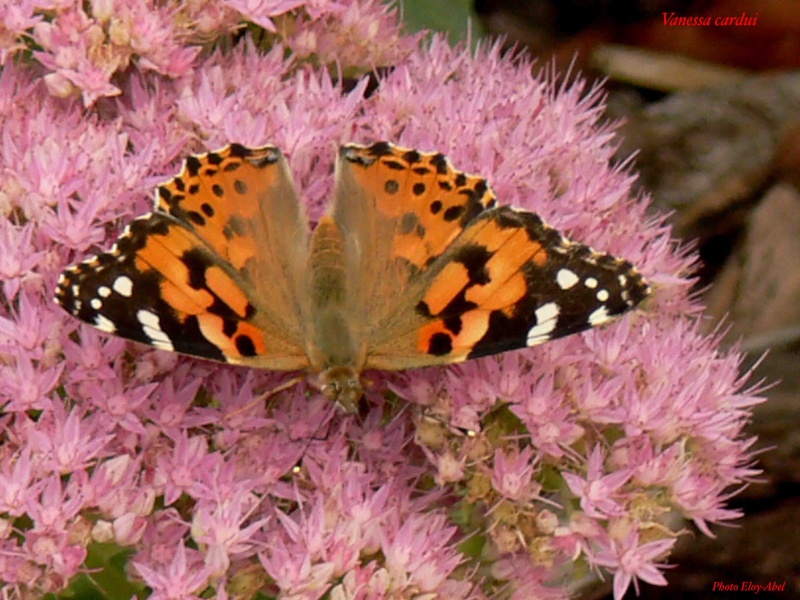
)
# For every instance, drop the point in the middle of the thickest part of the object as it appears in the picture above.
(333, 344)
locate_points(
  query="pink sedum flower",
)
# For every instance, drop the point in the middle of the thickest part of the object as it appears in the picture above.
(418, 554)
(597, 491)
(519, 472)
(183, 578)
(512, 474)
(633, 561)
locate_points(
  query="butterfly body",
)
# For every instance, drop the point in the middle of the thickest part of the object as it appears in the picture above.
(335, 353)
(415, 264)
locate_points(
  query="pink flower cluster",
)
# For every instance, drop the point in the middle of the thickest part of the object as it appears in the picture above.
(85, 48)
(509, 475)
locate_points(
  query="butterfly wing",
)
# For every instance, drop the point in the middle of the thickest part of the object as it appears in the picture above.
(442, 274)
(215, 271)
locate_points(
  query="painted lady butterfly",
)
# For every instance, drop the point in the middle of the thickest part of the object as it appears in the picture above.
(415, 265)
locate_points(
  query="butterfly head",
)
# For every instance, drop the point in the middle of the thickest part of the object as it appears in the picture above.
(340, 385)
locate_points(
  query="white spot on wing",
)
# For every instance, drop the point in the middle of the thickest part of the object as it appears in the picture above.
(104, 291)
(546, 319)
(148, 319)
(590, 282)
(123, 286)
(566, 279)
(599, 316)
(151, 325)
(104, 324)
(161, 345)
(602, 295)
(96, 303)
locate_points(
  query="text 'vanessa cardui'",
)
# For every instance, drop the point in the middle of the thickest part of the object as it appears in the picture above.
(415, 265)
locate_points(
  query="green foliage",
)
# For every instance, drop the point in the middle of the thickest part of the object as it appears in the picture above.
(106, 579)
(451, 16)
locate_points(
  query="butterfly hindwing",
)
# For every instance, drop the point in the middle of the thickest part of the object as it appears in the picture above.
(191, 276)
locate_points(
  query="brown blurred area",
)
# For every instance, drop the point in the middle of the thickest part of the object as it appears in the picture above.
(560, 28)
(712, 113)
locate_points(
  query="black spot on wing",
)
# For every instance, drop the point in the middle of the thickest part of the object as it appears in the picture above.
(440, 344)
(245, 345)
(412, 157)
(395, 165)
(193, 166)
(196, 218)
(240, 151)
(439, 162)
(379, 149)
(452, 213)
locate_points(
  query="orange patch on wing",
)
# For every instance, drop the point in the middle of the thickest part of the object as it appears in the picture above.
(214, 238)
(474, 324)
(185, 299)
(511, 257)
(219, 282)
(175, 242)
(498, 295)
(241, 249)
(211, 326)
(447, 285)
(488, 234)
(439, 233)
(410, 248)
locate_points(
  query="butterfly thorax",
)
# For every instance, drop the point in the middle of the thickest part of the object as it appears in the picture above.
(334, 352)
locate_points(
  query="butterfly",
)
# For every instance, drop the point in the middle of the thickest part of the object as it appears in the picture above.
(415, 264)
